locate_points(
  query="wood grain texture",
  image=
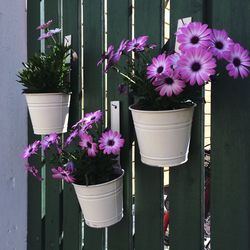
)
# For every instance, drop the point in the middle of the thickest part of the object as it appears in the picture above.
(93, 35)
(149, 180)
(119, 27)
(52, 188)
(230, 137)
(72, 216)
(35, 224)
(186, 192)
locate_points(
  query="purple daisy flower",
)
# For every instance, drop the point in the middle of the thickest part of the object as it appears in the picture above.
(45, 144)
(35, 145)
(152, 46)
(34, 171)
(220, 43)
(71, 137)
(107, 55)
(45, 35)
(89, 119)
(158, 67)
(172, 60)
(239, 60)
(31, 149)
(55, 31)
(78, 123)
(53, 138)
(184, 25)
(169, 85)
(137, 44)
(70, 166)
(88, 144)
(110, 63)
(28, 151)
(91, 149)
(49, 140)
(111, 142)
(122, 88)
(85, 138)
(44, 26)
(63, 174)
(84, 129)
(195, 34)
(93, 117)
(117, 55)
(196, 66)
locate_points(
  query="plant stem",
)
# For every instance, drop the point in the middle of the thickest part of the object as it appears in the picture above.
(65, 152)
(124, 75)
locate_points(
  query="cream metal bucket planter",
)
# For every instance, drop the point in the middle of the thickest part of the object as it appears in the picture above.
(102, 204)
(163, 136)
(49, 112)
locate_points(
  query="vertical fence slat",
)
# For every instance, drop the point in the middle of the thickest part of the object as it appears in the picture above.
(230, 138)
(93, 86)
(118, 26)
(52, 187)
(149, 180)
(187, 181)
(35, 235)
(53, 212)
(72, 218)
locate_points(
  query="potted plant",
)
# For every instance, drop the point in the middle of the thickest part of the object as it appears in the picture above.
(88, 160)
(45, 78)
(165, 86)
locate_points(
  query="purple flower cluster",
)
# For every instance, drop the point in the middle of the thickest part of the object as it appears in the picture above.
(86, 141)
(110, 142)
(136, 45)
(34, 171)
(200, 48)
(48, 33)
(32, 149)
(64, 173)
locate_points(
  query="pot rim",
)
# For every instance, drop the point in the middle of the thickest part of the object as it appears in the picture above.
(102, 184)
(160, 111)
(44, 94)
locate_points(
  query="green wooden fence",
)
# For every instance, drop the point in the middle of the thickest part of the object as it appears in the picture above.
(54, 217)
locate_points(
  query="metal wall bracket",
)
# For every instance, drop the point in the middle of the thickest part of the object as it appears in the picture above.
(180, 23)
(67, 42)
(115, 119)
(115, 115)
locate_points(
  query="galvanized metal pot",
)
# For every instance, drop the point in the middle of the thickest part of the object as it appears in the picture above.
(102, 204)
(163, 136)
(49, 112)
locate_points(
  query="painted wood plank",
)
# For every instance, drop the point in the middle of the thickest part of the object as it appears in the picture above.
(93, 48)
(93, 11)
(187, 181)
(53, 199)
(149, 180)
(119, 27)
(72, 220)
(230, 138)
(72, 26)
(72, 217)
(35, 224)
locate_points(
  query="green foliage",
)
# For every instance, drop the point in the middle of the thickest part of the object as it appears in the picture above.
(47, 73)
(94, 171)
